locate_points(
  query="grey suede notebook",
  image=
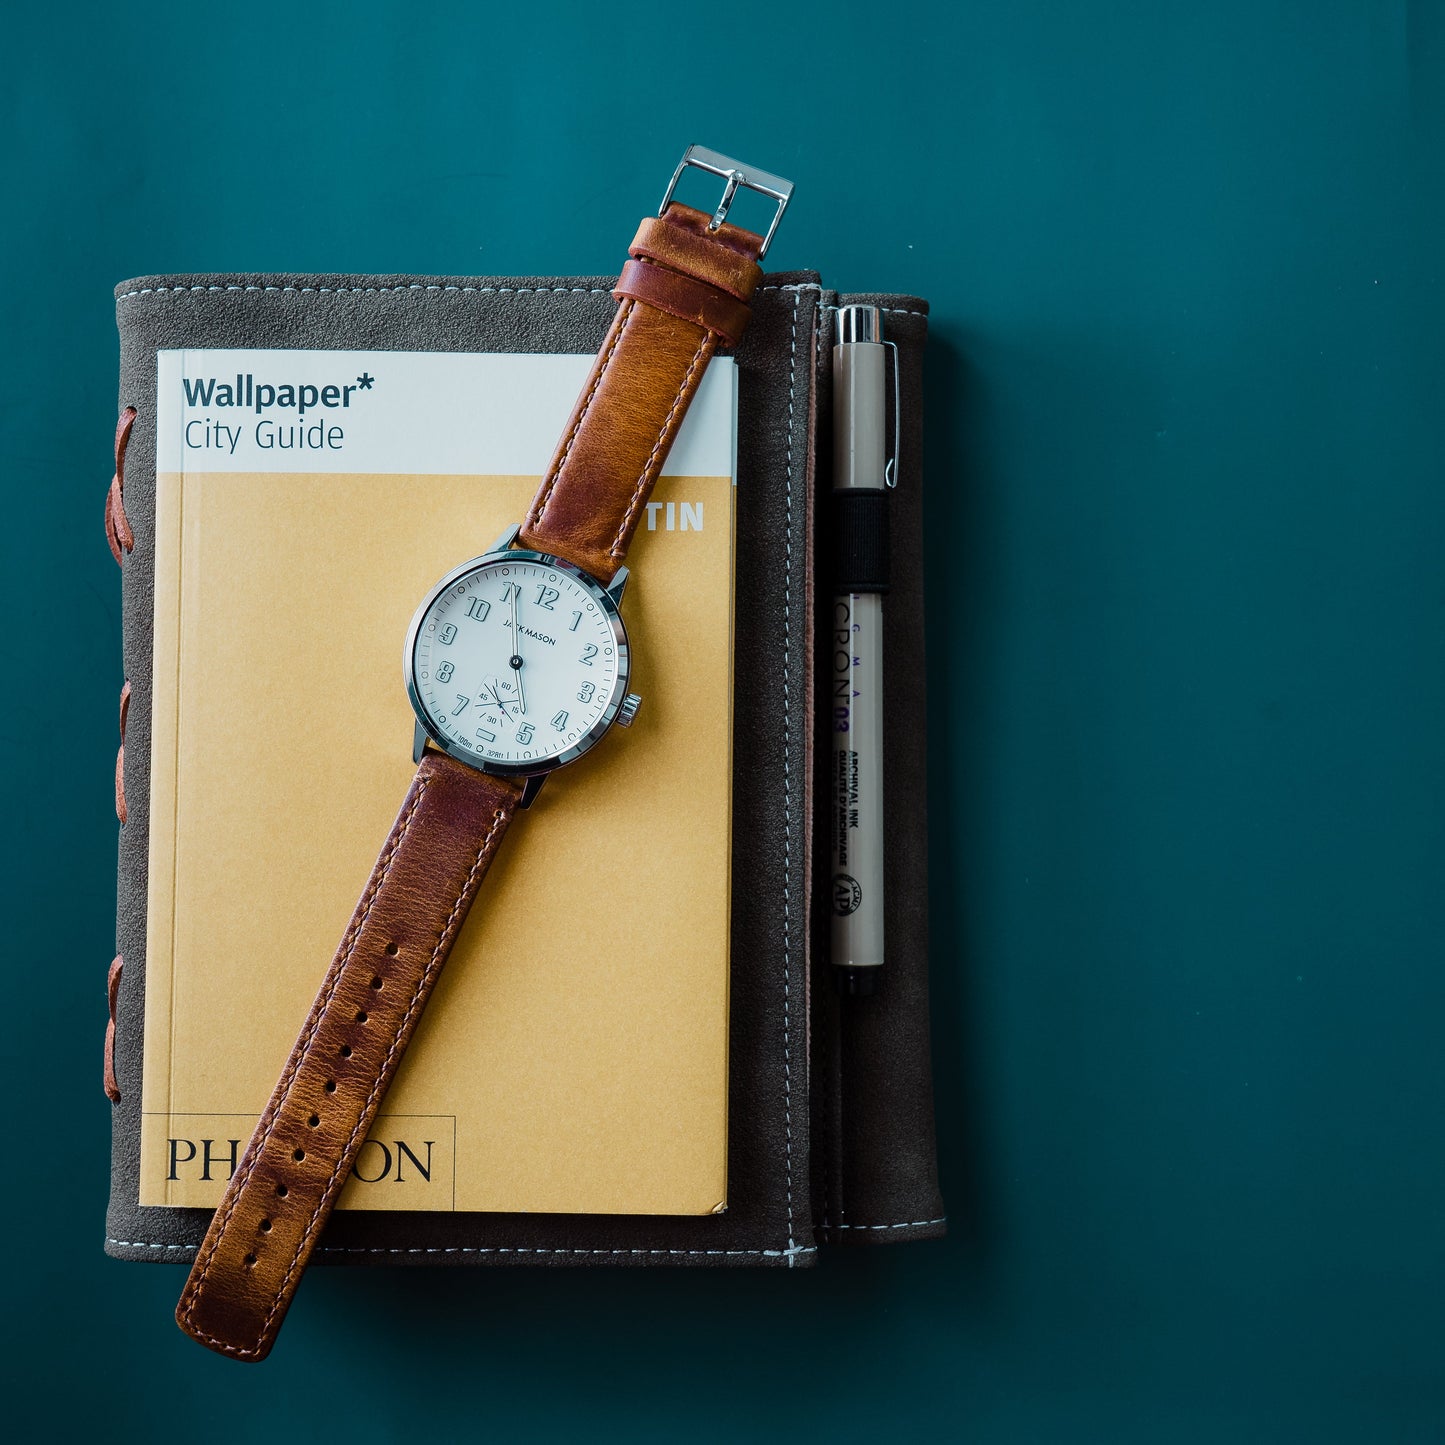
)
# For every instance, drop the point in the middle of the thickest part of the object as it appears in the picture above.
(830, 1122)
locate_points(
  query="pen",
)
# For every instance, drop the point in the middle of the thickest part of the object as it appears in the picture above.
(860, 578)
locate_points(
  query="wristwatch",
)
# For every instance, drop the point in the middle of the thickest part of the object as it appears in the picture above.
(516, 663)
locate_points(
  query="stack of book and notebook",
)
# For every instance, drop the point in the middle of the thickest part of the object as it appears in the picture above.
(626, 1059)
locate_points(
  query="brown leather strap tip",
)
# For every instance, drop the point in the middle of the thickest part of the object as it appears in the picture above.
(684, 298)
(112, 988)
(283, 1191)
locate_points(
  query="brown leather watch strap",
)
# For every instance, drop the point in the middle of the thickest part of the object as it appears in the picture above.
(283, 1191)
(684, 293)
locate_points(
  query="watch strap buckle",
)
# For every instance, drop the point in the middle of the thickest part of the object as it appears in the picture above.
(737, 176)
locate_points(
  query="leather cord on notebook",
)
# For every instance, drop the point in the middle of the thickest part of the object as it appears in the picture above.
(121, 537)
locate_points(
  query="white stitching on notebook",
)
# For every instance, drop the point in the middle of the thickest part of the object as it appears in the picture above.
(461, 290)
(489, 1249)
(828, 306)
(787, 781)
(905, 1224)
(377, 290)
(147, 1244)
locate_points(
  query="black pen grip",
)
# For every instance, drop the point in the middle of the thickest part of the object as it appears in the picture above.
(860, 540)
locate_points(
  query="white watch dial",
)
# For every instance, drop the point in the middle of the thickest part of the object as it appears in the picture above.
(517, 662)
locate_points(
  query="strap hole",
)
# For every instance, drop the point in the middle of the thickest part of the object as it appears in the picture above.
(250, 1260)
(361, 1016)
(331, 1086)
(265, 1226)
(282, 1191)
(345, 1051)
(391, 949)
(376, 983)
(299, 1155)
(314, 1120)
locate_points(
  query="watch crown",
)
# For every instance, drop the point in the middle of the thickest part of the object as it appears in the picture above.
(628, 710)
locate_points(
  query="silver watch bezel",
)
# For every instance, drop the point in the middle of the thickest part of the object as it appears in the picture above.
(532, 767)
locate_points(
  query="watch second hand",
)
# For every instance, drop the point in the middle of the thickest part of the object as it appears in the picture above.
(516, 658)
(497, 697)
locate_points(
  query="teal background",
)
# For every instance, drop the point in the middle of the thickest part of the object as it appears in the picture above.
(1187, 668)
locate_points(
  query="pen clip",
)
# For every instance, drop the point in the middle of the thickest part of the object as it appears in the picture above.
(890, 470)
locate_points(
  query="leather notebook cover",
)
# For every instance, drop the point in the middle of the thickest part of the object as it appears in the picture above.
(829, 1111)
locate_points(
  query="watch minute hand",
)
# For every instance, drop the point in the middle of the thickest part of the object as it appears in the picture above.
(516, 658)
